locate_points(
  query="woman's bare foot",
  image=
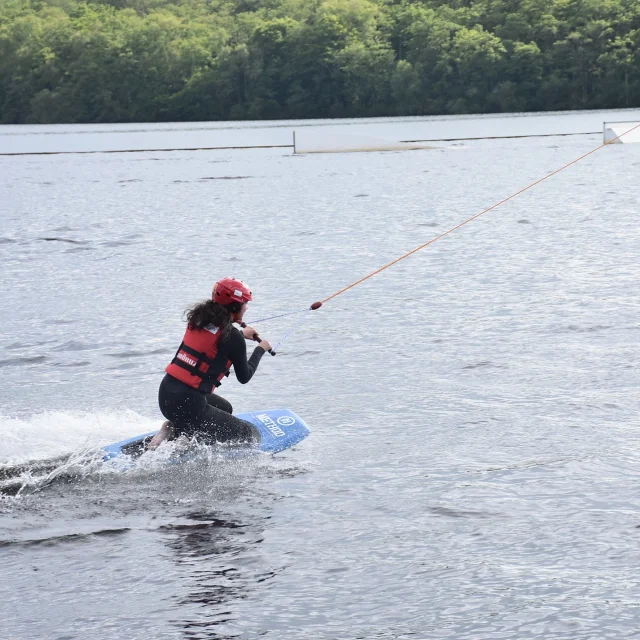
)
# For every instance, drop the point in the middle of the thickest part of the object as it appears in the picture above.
(165, 433)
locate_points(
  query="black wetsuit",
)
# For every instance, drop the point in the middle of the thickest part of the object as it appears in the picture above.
(193, 412)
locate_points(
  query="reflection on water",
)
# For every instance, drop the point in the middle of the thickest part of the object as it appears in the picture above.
(210, 553)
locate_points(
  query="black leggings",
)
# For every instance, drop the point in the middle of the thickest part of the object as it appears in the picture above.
(195, 413)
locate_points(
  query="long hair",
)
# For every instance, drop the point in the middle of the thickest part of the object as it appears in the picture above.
(202, 314)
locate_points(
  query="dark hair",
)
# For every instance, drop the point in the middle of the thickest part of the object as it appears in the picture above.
(202, 314)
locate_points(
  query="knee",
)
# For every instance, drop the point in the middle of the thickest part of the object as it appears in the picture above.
(223, 405)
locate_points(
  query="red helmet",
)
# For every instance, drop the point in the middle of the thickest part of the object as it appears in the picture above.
(230, 290)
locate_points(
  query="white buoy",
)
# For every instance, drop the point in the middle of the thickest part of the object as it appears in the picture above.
(616, 132)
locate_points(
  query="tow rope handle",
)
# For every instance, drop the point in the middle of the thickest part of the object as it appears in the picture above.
(257, 338)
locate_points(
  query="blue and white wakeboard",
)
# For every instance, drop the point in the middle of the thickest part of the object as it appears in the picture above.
(279, 429)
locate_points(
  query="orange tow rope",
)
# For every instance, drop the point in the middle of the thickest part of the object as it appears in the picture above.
(317, 305)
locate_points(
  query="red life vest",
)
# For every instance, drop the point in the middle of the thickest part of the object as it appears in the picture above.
(198, 361)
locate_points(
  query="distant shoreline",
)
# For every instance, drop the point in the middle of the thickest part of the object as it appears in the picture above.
(128, 61)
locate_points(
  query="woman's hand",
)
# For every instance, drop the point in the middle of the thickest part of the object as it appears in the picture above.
(249, 333)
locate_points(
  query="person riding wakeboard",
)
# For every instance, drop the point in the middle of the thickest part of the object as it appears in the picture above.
(210, 346)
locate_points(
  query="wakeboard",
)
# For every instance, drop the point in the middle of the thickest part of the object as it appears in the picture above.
(279, 429)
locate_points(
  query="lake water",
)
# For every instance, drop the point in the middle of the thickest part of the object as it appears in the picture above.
(472, 467)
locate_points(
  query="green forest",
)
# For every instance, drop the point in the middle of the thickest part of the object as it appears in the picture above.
(67, 61)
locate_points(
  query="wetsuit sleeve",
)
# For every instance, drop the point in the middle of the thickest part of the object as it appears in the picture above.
(243, 368)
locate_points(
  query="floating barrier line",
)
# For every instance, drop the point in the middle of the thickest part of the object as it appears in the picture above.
(530, 135)
(462, 224)
(66, 153)
(273, 146)
(619, 122)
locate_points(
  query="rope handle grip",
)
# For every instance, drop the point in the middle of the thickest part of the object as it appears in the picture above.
(257, 338)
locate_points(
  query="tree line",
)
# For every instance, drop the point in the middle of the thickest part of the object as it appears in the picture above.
(69, 61)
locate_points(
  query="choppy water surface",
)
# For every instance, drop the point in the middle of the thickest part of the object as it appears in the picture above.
(472, 470)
